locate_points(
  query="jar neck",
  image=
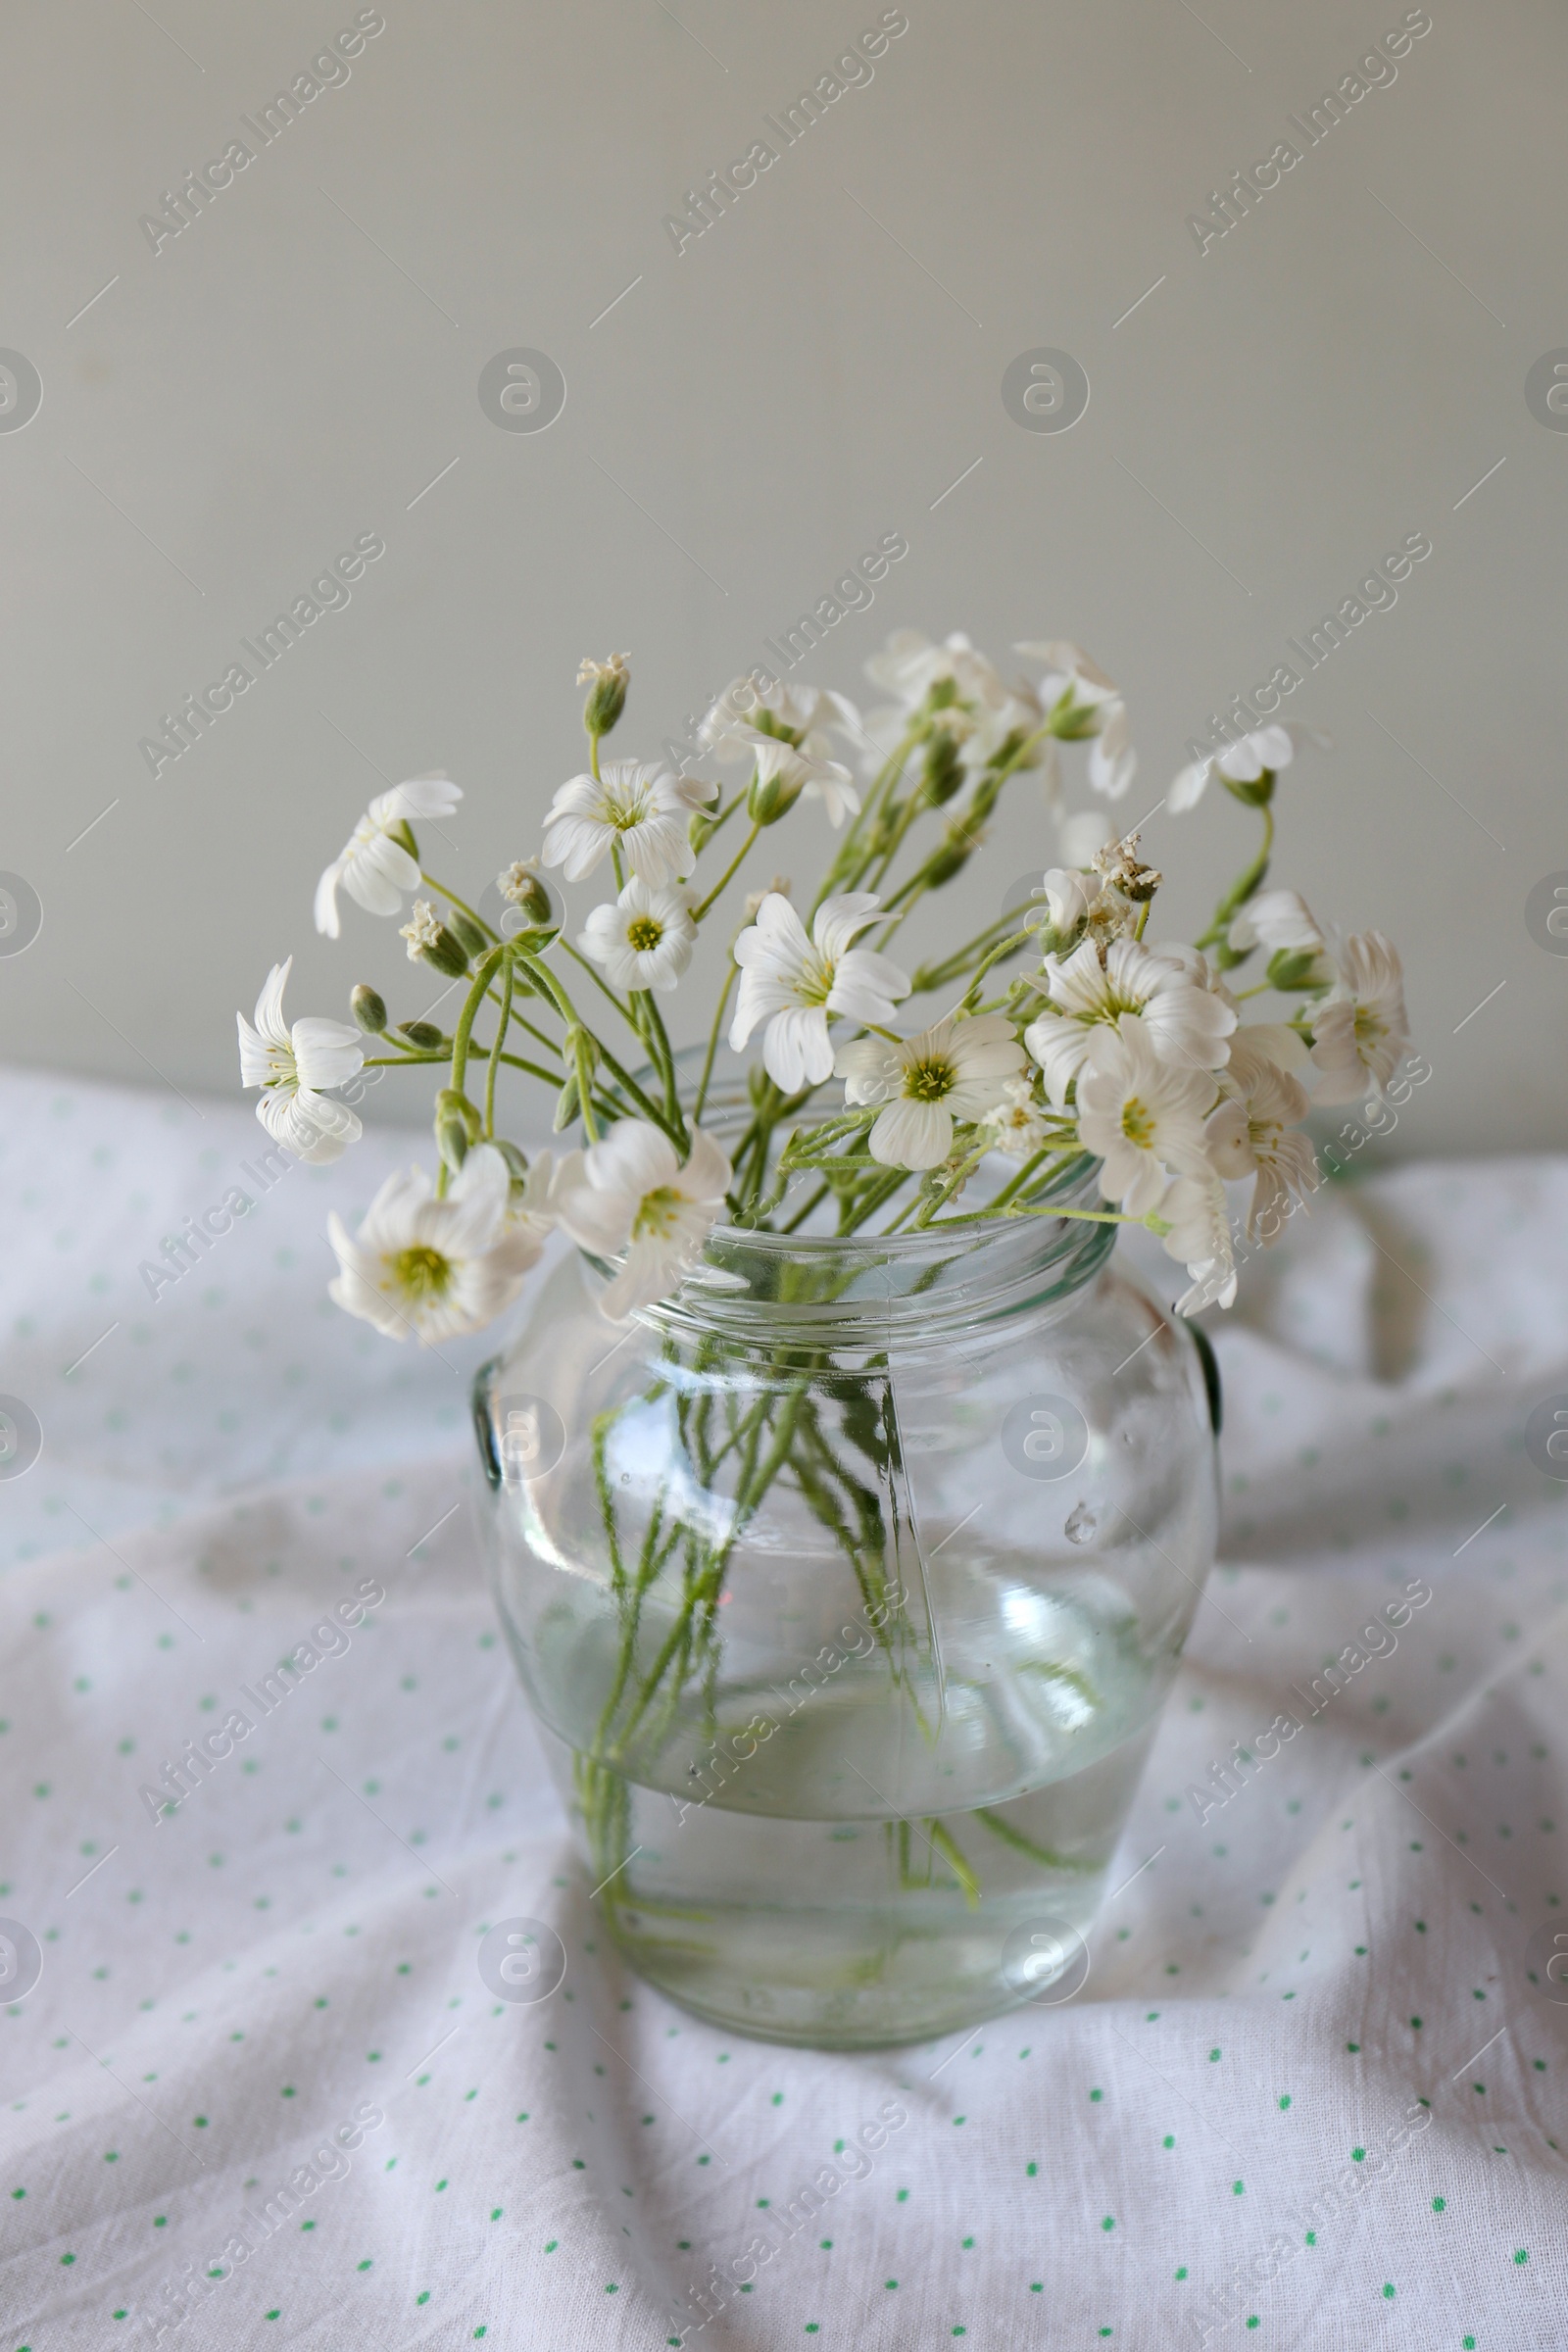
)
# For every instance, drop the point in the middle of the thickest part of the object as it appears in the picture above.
(888, 1290)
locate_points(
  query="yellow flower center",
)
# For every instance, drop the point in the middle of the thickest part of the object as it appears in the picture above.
(421, 1272)
(929, 1081)
(642, 933)
(1137, 1124)
(625, 814)
(657, 1211)
(1369, 1027)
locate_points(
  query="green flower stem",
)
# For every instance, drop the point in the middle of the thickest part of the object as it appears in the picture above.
(484, 974)
(729, 873)
(1242, 888)
(713, 1045)
(495, 1051)
(1045, 1855)
(887, 777)
(552, 988)
(453, 900)
(603, 985)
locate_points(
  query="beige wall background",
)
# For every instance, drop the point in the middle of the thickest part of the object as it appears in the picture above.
(1268, 417)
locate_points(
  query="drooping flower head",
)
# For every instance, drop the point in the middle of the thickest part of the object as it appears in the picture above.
(1241, 762)
(375, 867)
(630, 1192)
(793, 984)
(957, 1070)
(1093, 706)
(436, 1268)
(1360, 1033)
(640, 807)
(1256, 1131)
(292, 1065)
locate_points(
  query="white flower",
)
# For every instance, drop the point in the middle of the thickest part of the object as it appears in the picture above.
(1020, 1127)
(803, 772)
(803, 715)
(1199, 1235)
(1244, 762)
(375, 870)
(1112, 762)
(291, 1065)
(1359, 1031)
(1185, 1021)
(911, 665)
(644, 940)
(436, 1268)
(630, 1193)
(1276, 919)
(957, 1070)
(1063, 898)
(640, 805)
(1254, 1134)
(794, 983)
(1139, 1115)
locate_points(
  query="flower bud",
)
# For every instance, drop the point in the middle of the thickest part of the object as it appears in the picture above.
(774, 795)
(522, 888)
(950, 856)
(369, 1010)
(467, 932)
(450, 1104)
(516, 1158)
(944, 769)
(698, 830)
(566, 1104)
(423, 1034)
(607, 682)
(452, 1140)
(1297, 969)
(580, 1044)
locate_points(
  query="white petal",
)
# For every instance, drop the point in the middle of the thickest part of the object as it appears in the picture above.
(913, 1135)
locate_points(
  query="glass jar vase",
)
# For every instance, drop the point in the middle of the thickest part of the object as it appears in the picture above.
(846, 1585)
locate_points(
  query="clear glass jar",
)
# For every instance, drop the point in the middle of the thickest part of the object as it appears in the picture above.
(846, 1585)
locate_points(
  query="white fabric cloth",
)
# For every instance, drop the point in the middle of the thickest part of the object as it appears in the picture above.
(1223, 2129)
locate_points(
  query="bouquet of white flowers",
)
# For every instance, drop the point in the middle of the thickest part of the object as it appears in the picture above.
(1061, 1030)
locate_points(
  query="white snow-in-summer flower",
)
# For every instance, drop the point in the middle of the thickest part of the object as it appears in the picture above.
(1256, 1132)
(1016, 1118)
(798, 773)
(798, 721)
(640, 807)
(1186, 1022)
(911, 665)
(629, 1192)
(1242, 761)
(1139, 1115)
(955, 1070)
(793, 984)
(1112, 762)
(1276, 919)
(375, 869)
(807, 716)
(436, 1268)
(291, 1066)
(644, 940)
(1194, 1209)
(1360, 1033)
